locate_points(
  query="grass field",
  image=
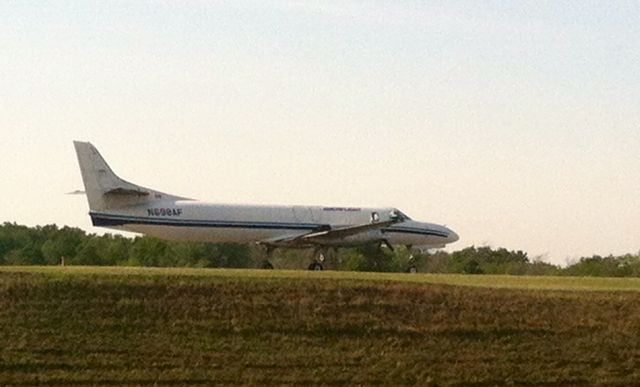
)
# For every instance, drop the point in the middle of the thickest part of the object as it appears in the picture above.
(133, 326)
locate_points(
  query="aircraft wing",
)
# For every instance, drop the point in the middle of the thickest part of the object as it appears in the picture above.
(342, 232)
(326, 232)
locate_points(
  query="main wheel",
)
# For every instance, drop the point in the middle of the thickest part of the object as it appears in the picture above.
(316, 266)
(412, 269)
(267, 265)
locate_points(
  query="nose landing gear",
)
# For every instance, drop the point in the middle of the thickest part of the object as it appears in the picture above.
(411, 268)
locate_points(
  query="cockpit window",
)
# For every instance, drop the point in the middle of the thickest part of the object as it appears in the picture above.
(402, 216)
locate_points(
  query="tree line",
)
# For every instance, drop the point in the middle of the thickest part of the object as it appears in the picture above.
(50, 245)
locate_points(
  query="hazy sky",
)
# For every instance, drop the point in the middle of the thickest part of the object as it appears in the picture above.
(516, 124)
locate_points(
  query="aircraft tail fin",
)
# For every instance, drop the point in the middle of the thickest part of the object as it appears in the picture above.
(104, 189)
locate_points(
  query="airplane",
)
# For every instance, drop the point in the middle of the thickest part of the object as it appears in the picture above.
(117, 204)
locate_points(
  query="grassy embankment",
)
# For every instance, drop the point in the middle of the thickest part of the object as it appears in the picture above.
(190, 326)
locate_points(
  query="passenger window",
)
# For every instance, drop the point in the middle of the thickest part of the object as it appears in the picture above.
(375, 218)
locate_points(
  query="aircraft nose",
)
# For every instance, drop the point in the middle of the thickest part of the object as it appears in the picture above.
(453, 237)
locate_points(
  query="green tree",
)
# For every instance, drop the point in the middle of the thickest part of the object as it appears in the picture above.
(148, 251)
(370, 257)
(62, 243)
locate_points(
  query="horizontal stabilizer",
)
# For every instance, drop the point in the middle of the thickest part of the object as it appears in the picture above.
(126, 191)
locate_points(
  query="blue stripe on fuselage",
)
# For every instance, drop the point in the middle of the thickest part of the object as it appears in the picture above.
(106, 220)
(112, 220)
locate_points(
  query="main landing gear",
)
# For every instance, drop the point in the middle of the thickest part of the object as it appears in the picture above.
(318, 257)
(266, 264)
(316, 266)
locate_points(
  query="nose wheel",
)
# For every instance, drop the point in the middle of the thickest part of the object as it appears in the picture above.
(412, 266)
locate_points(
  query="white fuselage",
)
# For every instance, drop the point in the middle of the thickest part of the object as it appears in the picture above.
(119, 204)
(191, 220)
